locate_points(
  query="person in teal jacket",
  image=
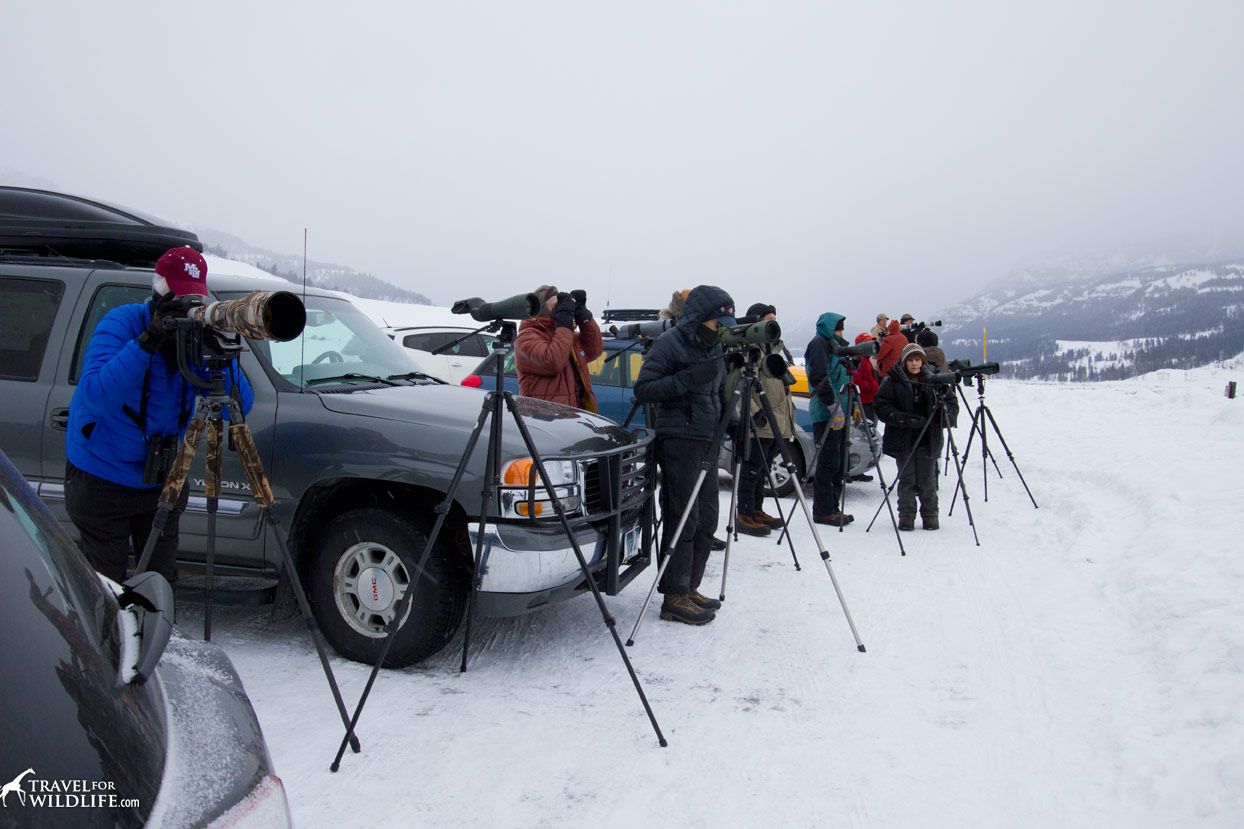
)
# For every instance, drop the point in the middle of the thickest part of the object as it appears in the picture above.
(827, 378)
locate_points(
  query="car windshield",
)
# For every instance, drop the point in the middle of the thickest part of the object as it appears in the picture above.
(340, 344)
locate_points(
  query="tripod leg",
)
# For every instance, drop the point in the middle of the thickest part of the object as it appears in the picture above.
(175, 481)
(211, 484)
(778, 442)
(492, 481)
(442, 510)
(885, 493)
(731, 530)
(668, 553)
(709, 463)
(789, 460)
(977, 424)
(610, 623)
(954, 450)
(240, 434)
(998, 432)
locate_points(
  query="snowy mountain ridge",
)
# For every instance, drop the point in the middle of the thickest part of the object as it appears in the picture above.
(1165, 316)
(320, 274)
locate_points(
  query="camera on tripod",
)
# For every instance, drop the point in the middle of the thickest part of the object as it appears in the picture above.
(966, 370)
(766, 332)
(259, 315)
(641, 330)
(517, 307)
(851, 355)
(911, 329)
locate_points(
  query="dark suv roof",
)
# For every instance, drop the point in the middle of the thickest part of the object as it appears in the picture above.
(42, 223)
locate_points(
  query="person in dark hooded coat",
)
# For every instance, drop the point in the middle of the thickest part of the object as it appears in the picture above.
(906, 402)
(684, 378)
(827, 377)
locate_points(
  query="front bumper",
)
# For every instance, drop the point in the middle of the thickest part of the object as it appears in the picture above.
(527, 567)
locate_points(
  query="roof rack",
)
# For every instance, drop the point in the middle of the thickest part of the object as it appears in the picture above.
(629, 314)
(47, 224)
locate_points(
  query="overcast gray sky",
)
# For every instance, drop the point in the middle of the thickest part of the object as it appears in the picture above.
(854, 157)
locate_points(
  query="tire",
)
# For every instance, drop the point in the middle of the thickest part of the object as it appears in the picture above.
(785, 483)
(385, 548)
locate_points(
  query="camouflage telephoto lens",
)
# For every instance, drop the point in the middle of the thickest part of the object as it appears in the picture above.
(260, 315)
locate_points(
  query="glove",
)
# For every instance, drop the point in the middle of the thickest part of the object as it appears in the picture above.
(153, 335)
(697, 374)
(563, 311)
(837, 420)
(857, 415)
(581, 313)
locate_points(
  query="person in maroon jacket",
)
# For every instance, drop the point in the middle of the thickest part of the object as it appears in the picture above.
(551, 358)
(892, 345)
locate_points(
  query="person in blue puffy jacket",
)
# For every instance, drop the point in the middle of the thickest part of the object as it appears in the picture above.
(132, 402)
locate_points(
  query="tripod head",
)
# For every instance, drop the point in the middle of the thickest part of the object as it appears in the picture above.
(200, 346)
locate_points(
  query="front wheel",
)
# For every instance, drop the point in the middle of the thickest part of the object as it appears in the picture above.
(781, 477)
(365, 562)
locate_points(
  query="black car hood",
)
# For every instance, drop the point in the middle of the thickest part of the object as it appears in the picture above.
(553, 427)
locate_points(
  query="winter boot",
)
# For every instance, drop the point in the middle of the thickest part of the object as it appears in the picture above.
(930, 523)
(767, 519)
(834, 519)
(680, 608)
(703, 601)
(750, 526)
(907, 523)
(718, 545)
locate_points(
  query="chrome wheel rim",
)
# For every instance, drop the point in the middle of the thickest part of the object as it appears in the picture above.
(368, 584)
(780, 474)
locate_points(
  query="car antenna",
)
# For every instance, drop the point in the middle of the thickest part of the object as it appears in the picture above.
(302, 343)
(609, 287)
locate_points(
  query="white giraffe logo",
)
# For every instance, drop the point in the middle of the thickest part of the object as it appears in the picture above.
(15, 786)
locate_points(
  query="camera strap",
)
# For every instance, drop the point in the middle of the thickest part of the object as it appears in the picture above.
(140, 417)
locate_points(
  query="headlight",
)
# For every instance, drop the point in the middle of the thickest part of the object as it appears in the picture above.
(519, 472)
(520, 479)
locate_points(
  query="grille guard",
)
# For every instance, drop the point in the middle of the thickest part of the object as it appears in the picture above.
(618, 488)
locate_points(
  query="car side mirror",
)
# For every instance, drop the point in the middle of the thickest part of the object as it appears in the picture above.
(150, 599)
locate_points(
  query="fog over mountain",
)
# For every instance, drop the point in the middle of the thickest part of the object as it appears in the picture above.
(847, 157)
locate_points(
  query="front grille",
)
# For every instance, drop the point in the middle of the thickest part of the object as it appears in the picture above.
(619, 481)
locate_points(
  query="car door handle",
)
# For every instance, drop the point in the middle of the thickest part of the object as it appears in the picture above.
(60, 419)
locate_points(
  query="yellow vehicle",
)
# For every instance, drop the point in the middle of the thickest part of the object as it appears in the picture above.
(801, 381)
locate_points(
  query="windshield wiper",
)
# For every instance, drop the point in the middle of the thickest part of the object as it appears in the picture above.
(351, 376)
(416, 375)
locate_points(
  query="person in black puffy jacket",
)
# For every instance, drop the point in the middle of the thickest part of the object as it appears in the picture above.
(905, 402)
(684, 376)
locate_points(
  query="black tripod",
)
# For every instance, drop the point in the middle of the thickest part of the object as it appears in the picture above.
(709, 464)
(852, 400)
(747, 441)
(978, 426)
(939, 416)
(215, 355)
(491, 413)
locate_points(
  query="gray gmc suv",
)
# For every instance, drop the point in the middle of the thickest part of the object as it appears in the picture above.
(359, 446)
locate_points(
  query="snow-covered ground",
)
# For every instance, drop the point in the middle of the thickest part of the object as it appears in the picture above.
(1084, 666)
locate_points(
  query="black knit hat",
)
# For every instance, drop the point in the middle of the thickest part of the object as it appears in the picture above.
(759, 309)
(926, 338)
